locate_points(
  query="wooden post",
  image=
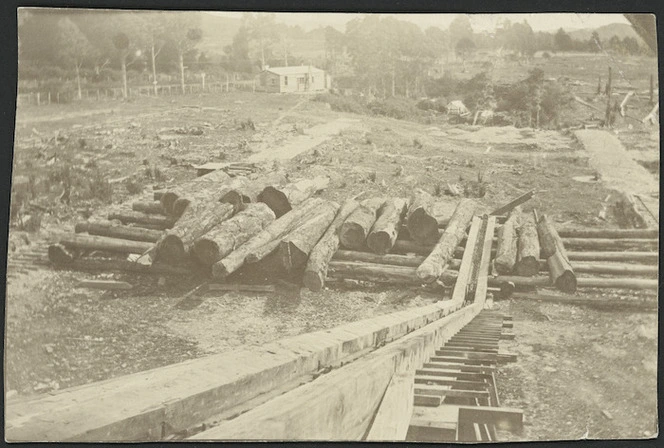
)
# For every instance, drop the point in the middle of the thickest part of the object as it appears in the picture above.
(49, 97)
(608, 101)
(652, 89)
(38, 100)
(226, 82)
(57, 97)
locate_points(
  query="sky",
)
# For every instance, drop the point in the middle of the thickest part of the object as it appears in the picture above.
(480, 22)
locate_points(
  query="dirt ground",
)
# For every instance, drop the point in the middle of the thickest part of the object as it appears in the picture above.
(60, 336)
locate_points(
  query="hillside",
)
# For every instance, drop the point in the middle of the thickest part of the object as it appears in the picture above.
(605, 32)
(218, 31)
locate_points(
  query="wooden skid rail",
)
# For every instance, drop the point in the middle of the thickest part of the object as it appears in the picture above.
(455, 399)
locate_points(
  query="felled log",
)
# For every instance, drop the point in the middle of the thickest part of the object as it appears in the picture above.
(605, 303)
(103, 284)
(552, 248)
(118, 231)
(390, 259)
(527, 263)
(88, 242)
(615, 268)
(384, 232)
(249, 193)
(379, 273)
(153, 208)
(643, 257)
(198, 219)
(508, 243)
(209, 181)
(157, 195)
(608, 233)
(230, 234)
(421, 222)
(295, 248)
(582, 282)
(162, 222)
(512, 204)
(276, 230)
(320, 256)
(282, 199)
(356, 228)
(201, 191)
(114, 265)
(411, 247)
(433, 266)
(612, 243)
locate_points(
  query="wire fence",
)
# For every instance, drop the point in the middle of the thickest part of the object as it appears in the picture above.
(42, 98)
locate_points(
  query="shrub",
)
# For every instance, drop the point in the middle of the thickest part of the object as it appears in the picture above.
(341, 103)
(393, 107)
(101, 188)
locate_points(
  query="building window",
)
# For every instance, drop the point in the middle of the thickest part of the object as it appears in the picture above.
(274, 82)
(285, 80)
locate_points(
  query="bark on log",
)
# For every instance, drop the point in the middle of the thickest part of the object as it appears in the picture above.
(198, 219)
(379, 273)
(231, 234)
(390, 259)
(408, 247)
(276, 230)
(643, 257)
(209, 181)
(552, 248)
(434, 265)
(508, 243)
(205, 191)
(249, 193)
(582, 282)
(118, 231)
(157, 195)
(151, 208)
(512, 204)
(609, 304)
(319, 259)
(615, 269)
(283, 199)
(527, 263)
(608, 233)
(87, 242)
(355, 229)
(421, 222)
(295, 248)
(163, 222)
(384, 232)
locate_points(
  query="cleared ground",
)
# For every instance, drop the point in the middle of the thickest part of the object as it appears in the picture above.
(59, 336)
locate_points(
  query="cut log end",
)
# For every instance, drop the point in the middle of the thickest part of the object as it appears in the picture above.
(379, 242)
(352, 236)
(57, 254)
(422, 227)
(207, 251)
(179, 206)
(566, 282)
(314, 281)
(527, 267)
(167, 200)
(276, 200)
(171, 249)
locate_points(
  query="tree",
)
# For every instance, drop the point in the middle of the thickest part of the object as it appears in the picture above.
(594, 43)
(184, 32)
(464, 48)
(460, 29)
(237, 53)
(262, 31)
(73, 47)
(562, 41)
(155, 28)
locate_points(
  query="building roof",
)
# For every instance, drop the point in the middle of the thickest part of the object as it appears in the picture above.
(294, 70)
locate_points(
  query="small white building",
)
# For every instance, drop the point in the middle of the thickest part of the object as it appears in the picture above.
(303, 78)
(457, 107)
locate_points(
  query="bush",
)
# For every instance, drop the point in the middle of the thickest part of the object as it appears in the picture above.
(444, 86)
(427, 104)
(393, 107)
(342, 103)
(101, 188)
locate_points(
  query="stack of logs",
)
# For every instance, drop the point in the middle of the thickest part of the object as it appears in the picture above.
(216, 225)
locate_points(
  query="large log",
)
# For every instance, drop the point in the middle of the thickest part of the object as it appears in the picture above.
(248, 193)
(58, 254)
(391, 259)
(227, 236)
(295, 248)
(379, 273)
(355, 229)
(643, 257)
(608, 233)
(283, 199)
(612, 243)
(434, 265)
(605, 303)
(201, 191)
(115, 265)
(88, 242)
(127, 217)
(513, 204)
(527, 263)
(552, 248)
(615, 268)
(320, 256)
(153, 208)
(508, 239)
(209, 181)
(275, 231)
(198, 219)
(421, 222)
(582, 282)
(384, 232)
(118, 231)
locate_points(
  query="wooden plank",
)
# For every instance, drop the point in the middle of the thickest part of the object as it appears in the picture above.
(445, 391)
(503, 418)
(485, 261)
(458, 366)
(461, 285)
(312, 410)
(431, 375)
(462, 360)
(463, 384)
(394, 412)
(510, 205)
(192, 391)
(427, 400)
(433, 424)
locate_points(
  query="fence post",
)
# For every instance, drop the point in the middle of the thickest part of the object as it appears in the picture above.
(38, 100)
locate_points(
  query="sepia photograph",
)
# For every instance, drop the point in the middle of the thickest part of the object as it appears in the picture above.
(288, 226)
